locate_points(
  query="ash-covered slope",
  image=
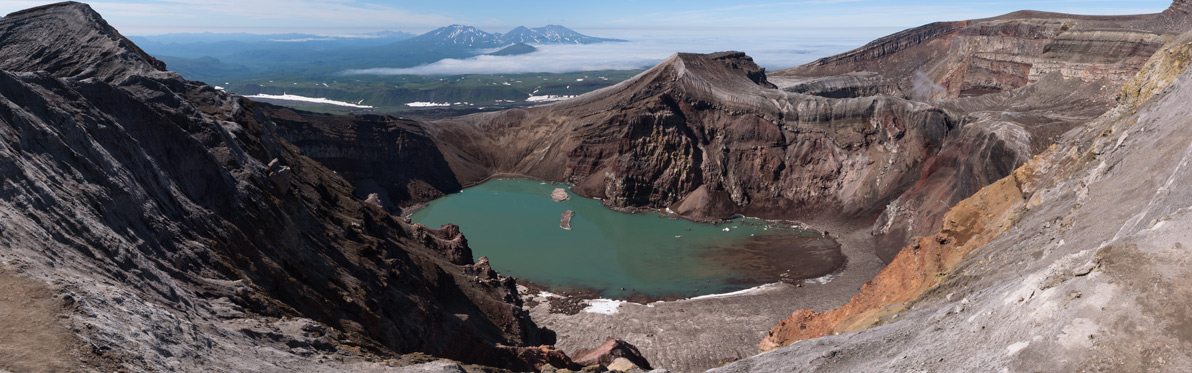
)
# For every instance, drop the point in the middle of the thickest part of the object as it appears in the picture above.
(183, 233)
(1077, 262)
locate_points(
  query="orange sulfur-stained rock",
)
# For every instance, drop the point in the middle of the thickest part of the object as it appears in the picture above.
(972, 223)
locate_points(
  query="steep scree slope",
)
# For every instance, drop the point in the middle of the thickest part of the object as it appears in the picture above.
(182, 233)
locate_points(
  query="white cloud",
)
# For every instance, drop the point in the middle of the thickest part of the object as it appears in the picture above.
(772, 53)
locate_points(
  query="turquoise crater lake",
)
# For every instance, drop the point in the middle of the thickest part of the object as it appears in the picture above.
(516, 224)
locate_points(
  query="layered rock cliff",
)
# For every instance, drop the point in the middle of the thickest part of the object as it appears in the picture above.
(1016, 82)
(1075, 262)
(181, 232)
(956, 59)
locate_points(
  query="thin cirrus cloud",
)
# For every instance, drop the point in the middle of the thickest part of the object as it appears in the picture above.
(142, 17)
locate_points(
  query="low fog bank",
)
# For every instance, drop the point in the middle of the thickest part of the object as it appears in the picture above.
(770, 50)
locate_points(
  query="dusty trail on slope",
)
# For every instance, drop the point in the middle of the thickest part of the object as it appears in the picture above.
(33, 338)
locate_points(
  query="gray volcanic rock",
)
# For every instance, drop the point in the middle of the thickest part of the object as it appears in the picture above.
(71, 44)
(147, 203)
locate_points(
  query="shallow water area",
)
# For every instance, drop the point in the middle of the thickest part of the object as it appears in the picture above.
(517, 225)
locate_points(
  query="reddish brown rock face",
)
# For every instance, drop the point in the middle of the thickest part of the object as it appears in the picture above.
(610, 350)
(710, 123)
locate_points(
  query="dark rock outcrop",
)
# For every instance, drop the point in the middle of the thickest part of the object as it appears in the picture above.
(188, 235)
(542, 358)
(394, 158)
(863, 84)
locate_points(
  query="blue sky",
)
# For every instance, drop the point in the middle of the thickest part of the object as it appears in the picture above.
(609, 17)
(777, 34)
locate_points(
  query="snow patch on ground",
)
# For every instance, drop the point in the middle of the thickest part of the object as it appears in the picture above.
(316, 100)
(1014, 348)
(825, 279)
(428, 104)
(548, 98)
(738, 292)
(603, 306)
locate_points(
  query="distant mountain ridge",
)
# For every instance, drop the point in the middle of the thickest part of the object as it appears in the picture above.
(222, 57)
(551, 34)
(458, 35)
(472, 37)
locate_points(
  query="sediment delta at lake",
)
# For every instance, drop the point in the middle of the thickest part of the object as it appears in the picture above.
(692, 335)
(624, 256)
